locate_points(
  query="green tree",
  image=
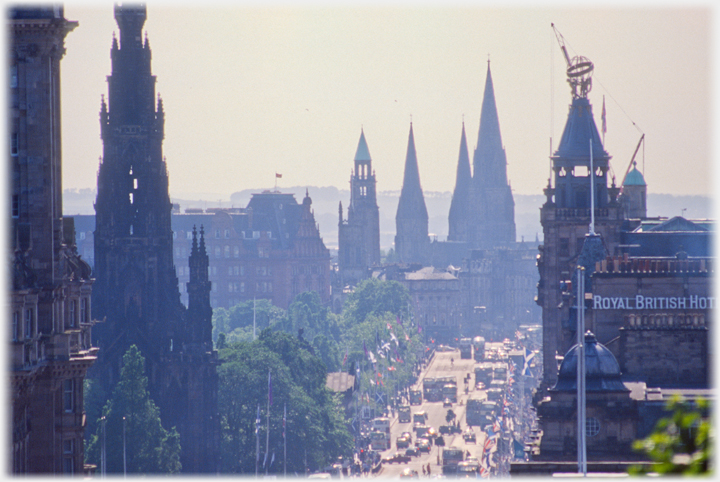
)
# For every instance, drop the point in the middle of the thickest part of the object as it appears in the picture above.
(681, 443)
(150, 449)
(376, 297)
(315, 419)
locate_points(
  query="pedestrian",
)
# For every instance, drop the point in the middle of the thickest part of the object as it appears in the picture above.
(428, 468)
(423, 469)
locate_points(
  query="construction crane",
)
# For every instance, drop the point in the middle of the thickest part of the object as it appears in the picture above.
(579, 69)
(632, 161)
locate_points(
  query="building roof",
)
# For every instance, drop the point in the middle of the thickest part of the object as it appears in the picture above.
(634, 177)
(362, 153)
(602, 371)
(429, 273)
(579, 129)
(411, 203)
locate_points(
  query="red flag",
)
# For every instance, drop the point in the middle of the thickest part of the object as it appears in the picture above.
(278, 176)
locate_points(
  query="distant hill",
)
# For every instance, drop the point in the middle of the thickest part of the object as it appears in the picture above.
(325, 202)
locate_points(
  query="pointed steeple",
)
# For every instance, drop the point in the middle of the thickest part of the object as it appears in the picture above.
(458, 217)
(412, 202)
(489, 162)
(362, 153)
(411, 221)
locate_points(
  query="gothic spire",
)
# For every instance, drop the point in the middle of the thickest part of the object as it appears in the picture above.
(489, 162)
(412, 202)
(458, 217)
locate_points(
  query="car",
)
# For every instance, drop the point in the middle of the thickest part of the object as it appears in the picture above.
(423, 445)
(447, 403)
(398, 457)
(407, 435)
(409, 474)
(412, 451)
(431, 433)
(479, 386)
(469, 436)
(402, 442)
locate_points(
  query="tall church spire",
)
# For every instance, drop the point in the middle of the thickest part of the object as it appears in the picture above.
(459, 206)
(411, 219)
(492, 208)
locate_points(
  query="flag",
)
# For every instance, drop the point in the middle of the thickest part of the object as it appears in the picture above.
(346, 355)
(272, 459)
(398, 320)
(407, 338)
(604, 120)
(394, 338)
(419, 328)
(257, 421)
(278, 176)
(284, 418)
(269, 389)
(265, 459)
(527, 356)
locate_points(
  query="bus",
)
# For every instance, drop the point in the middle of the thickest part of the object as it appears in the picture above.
(465, 348)
(381, 424)
(404, 414)
(479, 348)
(473, 411)
(450, 391)
(450, 459)
(379, 441)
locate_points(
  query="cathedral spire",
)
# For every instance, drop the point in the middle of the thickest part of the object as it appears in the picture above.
(489, 162)
(458, 217)
(411, 220)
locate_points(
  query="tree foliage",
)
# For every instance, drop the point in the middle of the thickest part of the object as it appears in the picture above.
(681, 443)
(376, 297)
(150, 449)
(316, 430)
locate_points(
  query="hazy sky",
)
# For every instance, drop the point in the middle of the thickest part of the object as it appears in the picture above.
(250, 91)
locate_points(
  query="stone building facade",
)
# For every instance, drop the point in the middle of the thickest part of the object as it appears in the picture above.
(136, 292)
(50, 335)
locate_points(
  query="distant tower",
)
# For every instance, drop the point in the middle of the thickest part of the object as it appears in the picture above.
(460, 204)
(565, 218)
(359, 235)
(48, 323)
(492, 208)
(412, 244)
(633, 196)
(137, 288)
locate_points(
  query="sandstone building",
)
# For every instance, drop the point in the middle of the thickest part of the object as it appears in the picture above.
(50, 346)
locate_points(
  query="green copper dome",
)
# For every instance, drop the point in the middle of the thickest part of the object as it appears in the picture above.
(634, 177)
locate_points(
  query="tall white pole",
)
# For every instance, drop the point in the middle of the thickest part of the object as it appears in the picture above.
(592, 191)
(581, 442)
(103, 458)
(254, 337)
(267, 435)
(124, 452)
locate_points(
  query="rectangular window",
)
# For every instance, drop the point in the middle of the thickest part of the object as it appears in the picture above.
(242, 287)
(13, 76)
(14, 144)
(230, 270)
(28, 323)
(15, 205)
(69, 395)
(227, 251)
(84, 310)
(236, 252)
(71, 315)
(227, 234)
(16, 326)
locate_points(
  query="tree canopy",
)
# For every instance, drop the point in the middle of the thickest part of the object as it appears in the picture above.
(149, 448)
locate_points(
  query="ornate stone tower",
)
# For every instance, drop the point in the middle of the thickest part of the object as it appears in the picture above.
(359, 235)
(49, 314)
(412, 244)
(566, 216)
(137, 289)
(492, 208)
(460, 204)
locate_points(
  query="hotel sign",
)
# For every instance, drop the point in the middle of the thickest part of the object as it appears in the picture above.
(640, 302)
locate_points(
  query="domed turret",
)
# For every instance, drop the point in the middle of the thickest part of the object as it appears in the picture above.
(602, 371)
(634, 194)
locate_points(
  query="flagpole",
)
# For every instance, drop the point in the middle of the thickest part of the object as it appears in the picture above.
(582, 448)
(254, 337)
(267, 435)
(257, 440)
(284, 440)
